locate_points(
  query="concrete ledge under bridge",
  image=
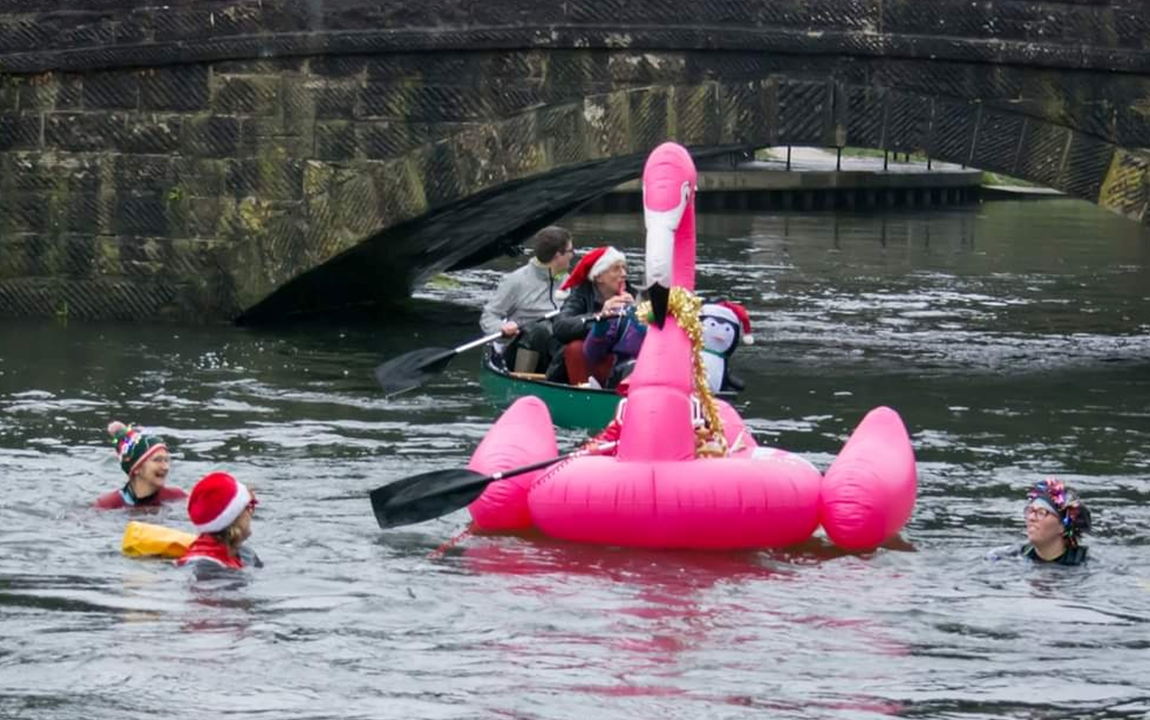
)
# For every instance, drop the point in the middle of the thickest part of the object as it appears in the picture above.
(814, 179)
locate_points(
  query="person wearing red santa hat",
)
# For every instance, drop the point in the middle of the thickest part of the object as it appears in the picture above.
(221, 508)
(598, 284)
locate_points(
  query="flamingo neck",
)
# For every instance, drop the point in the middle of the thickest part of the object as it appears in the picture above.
(657, 420)
(670, 364)
(683, 265)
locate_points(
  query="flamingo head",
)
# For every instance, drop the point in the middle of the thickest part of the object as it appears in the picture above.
(669, 184)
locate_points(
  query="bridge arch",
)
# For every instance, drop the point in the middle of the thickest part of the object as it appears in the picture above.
(550, 159)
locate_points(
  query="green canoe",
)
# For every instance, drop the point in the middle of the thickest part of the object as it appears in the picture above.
(570, 406)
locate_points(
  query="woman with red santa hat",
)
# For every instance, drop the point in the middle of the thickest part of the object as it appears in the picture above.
(598, 284)
(221, 509)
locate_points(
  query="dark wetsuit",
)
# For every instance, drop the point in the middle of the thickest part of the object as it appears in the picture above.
(125, 498)
(1073, 556)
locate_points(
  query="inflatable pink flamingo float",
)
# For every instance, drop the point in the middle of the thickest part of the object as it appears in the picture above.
(676, 481)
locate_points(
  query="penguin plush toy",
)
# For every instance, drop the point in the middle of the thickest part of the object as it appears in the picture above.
(725, 325)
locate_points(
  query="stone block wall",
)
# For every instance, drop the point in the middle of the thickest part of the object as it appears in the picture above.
(214, 160)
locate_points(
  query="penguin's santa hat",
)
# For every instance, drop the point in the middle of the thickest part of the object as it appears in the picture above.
(733, 313)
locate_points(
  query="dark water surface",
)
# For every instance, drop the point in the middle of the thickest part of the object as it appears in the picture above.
(1014, 338)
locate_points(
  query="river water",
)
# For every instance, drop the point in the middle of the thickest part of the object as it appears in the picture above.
(1013, 337)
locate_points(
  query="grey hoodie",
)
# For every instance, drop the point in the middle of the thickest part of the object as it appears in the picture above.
(524, 295)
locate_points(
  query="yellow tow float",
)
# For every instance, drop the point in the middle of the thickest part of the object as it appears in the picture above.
(143, 539)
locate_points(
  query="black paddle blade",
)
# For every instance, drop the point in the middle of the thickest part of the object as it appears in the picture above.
(407, 371)
(426, 496)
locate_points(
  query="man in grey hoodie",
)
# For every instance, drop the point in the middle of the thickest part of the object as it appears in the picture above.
(524, 296)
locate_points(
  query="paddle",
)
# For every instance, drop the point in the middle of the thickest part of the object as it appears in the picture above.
(407, 371)
(437, 493)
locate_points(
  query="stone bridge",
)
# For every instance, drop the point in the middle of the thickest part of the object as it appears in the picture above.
(256, 159)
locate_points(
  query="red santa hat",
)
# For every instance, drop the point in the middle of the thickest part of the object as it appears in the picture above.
(216, 501)
(592, 265)
(732, 312)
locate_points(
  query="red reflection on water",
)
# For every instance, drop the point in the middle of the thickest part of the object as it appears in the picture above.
(671, 610)
(674, 570)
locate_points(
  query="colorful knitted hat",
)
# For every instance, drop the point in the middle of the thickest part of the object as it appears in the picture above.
(216, 501)
(1065, 503)
(134, 445)
(592, 265)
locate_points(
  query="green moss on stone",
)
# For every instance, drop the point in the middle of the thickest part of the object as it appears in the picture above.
(413, 190)
(108, 259)
(444, 282)
(57, 209)
(253, 215)
(176, 211)
(316, 178)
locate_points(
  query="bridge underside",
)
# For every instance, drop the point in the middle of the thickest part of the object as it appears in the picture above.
(385, 268)
(223, 189)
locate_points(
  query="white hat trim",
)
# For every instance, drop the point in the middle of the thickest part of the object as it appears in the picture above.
(609, 257)
(232, 511)
(725, 313)
(719, 311)
(147, 454)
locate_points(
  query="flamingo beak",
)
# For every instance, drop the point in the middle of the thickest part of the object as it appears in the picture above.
(659, 297)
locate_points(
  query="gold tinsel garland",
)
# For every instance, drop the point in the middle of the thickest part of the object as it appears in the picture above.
(685, 307)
